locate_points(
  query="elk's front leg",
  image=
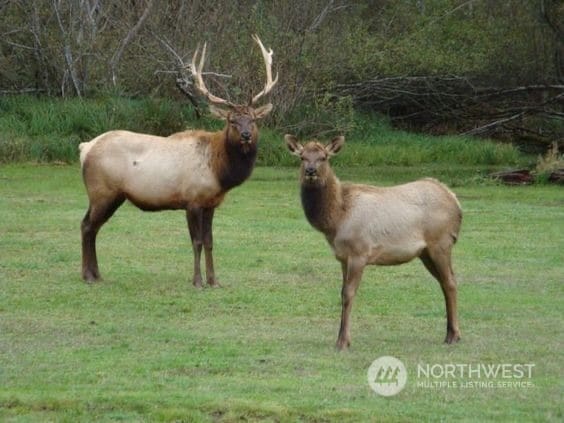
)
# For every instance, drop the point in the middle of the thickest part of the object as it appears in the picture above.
(352, 274)
(208, 246)
(195, 224)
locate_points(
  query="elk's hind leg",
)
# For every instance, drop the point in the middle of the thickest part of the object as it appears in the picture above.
(97, 214)
(438, 262)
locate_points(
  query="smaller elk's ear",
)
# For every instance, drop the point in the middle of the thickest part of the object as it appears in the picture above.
(218, 113)
(263, 111)
(335, 145)
(293, 145)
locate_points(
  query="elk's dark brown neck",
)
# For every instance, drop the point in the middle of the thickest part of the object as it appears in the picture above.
(238, 163)
(323, 204)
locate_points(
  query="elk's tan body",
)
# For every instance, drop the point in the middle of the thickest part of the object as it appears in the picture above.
(393, 225)
(366, 225)
(155, 172)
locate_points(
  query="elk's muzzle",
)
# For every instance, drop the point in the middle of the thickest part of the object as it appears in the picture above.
(246, 137)
(310, 172)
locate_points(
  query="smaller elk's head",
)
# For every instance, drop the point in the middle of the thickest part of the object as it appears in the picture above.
(315, 157)
(241, 119)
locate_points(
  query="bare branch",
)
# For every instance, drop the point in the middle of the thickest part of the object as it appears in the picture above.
(21, 91)
(67, 53)
(178, 59)
(319, 18)
(492, 125)
(128, 38)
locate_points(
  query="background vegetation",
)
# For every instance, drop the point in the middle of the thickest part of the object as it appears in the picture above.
(474, 66)
(47, 129)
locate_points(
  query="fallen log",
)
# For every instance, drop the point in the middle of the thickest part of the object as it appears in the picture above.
(557, 177)
(514, 177)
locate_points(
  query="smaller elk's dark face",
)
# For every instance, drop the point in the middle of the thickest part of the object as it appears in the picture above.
(314, 161)
(314, 156)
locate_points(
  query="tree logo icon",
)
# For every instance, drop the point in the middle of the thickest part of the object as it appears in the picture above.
(387, 376)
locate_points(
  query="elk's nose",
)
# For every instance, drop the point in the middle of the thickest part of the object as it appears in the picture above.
(246, 135)
(310, 171)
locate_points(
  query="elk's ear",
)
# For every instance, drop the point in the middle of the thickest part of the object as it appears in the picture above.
(293, 145)
(263, 111)
(335, 145)
(218, 113)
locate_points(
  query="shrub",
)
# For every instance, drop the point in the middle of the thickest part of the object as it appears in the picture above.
(548, 163)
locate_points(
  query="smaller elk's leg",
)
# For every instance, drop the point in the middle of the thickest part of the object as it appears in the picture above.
(438, 263)
(352, 274)
(344, 271)
(95, 217)
(208, 246)
(195, 217)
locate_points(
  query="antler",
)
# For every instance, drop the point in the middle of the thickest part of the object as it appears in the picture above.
(267, 56)
(197, 74)
(201, 86)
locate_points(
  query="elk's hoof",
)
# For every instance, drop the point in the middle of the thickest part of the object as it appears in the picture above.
(91, 277)
(213, 283)
(452, 338)
(343, 344)
(197, 282)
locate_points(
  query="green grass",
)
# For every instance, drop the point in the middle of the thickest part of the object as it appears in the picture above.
(143, 345)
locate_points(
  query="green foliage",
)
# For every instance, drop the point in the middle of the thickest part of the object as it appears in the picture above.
(161, 117)
(493, 41)
(324, 116)
(371, 142)
(47, 129)
(50, 129)
(143, 345)
(315, 43)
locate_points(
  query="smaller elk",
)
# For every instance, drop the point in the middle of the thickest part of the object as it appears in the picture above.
(379, 225)
(191, 170)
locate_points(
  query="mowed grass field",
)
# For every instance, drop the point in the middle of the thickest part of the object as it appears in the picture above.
(144, 345)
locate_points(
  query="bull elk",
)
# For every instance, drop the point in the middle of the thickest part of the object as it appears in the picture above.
(379, 225)
(191, 170)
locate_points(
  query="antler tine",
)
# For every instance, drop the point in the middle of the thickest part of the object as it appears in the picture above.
(267, 56)
(200, 85)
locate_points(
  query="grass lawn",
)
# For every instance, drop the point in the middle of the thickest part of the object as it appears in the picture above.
(144, 345)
